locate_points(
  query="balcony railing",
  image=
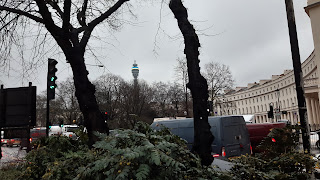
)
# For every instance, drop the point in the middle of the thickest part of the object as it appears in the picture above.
(310, 82)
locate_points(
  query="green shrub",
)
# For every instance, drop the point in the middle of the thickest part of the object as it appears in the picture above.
(141, 153)
(49, 152)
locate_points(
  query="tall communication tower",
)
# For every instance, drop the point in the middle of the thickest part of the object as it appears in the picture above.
(135, 71)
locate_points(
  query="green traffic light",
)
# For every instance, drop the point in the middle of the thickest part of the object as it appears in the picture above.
(52, 87)
(52, 79)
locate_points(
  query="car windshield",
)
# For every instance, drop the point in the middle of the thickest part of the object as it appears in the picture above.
(71, 129)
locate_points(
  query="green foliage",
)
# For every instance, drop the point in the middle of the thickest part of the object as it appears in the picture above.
(140, 154)
(50, 154)
(279, 160)
(143, 153)
(279, 141)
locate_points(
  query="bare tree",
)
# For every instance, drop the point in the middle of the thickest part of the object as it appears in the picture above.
(203, 137)
(176, 97)
(134, 102)
(109, 95)
(41, 109)
(181, 72)
(71, 24)
(219, 78)
(161, 97)
(66, 95)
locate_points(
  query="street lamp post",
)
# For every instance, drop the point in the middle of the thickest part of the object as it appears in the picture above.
(298, 75)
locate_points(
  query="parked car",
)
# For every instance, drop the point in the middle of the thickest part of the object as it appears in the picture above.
(14, 142)
(231, 137)
(36, 133)
(258, 131)
(3, 141)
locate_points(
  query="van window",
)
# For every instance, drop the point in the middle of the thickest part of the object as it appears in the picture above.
(71, 129)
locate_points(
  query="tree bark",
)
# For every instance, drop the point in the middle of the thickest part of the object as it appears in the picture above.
(198, 86)
(85, 93)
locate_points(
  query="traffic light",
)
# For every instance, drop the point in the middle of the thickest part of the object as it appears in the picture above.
(61, 123)
(106, 116)
(51, 81)
(270, 113)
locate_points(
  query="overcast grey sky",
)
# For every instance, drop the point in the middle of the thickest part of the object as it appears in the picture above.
(250, 36)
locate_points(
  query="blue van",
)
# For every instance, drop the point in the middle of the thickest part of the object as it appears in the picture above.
(231, 137)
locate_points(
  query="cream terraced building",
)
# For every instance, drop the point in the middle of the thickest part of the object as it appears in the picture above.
(279, 91)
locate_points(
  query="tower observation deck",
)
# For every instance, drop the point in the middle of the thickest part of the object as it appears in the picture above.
(135, 70)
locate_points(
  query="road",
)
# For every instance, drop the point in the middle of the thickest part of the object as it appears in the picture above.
(11, 154)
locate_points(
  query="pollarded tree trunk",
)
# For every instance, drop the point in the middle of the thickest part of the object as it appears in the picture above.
(203, 137)
(85, 93)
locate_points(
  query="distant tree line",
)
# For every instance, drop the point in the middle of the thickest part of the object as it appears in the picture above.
(125, 104)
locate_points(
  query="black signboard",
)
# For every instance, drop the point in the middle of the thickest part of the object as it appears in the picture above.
(18, 107)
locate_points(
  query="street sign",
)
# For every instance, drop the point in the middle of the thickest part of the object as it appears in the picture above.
(18, 107)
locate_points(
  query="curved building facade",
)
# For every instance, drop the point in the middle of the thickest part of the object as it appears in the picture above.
(279, 91)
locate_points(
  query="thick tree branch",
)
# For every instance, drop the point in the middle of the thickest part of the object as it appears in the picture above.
(66, 16)
(81, 16)
(55, 6)
(23, 13)
(48, 21)
(98, 20)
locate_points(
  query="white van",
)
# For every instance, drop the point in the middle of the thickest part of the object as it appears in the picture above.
(68, 130)
(55, 131)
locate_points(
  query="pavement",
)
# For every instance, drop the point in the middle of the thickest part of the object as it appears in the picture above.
(11, 155)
